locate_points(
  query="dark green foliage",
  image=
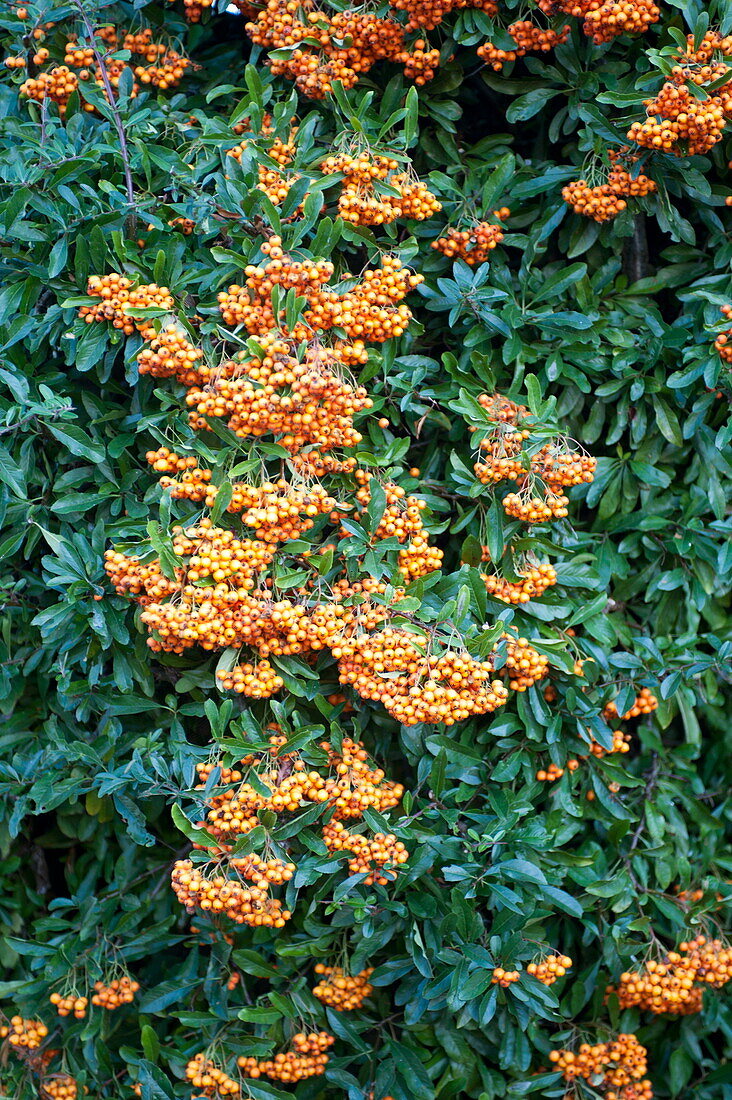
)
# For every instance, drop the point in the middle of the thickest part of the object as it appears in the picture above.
(607, 333)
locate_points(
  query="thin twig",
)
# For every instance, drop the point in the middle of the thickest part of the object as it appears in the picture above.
(123, 148)
(44, 120)
(647, 791)
(53, 415)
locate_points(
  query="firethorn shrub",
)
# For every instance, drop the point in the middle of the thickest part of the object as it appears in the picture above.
(365, 483)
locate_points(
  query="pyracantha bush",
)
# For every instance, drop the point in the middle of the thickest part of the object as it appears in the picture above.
(365, 469)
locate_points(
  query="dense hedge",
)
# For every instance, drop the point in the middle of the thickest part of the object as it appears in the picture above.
(539, 823)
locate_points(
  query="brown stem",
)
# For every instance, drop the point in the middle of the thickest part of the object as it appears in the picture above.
(635, 252)
(647, 791)
(123, 148)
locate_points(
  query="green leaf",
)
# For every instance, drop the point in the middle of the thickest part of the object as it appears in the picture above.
(526, 106)
(169, 561)
(668, 423)
(224, 495)
(193, 832)
(150, 1043)
(78, 442)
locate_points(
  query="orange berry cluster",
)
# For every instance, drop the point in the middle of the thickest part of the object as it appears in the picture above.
(402, 520)
(59, 1086)
(559, 468)
(551, 774)
(645, 703)
(606, 19)
(58, 84)
(534, 509)
(273, 183)
(281, 151)
(428, 14)
(605, 201)
(226, 775)
(115, 70)
(240, 390)
(680, 123)
(167, 73)
(141, 43)
(621, 743)
(535, 579)
(70, 1005)
(24, 1034)
(264, 872)
(256, 680)
(340, 46)
(504, 978)
(340, 990)
(145, 582)
(600, 202)
(616, 1068)
(722, 344)
(194, 9)
(554, 466)
(377, 858)
(276, 511)
(420, 63)
(183, 225)
(390, 667)
(305, 403)
(241, 901)
(215, 553)
(277, 187)
(690, 896)
(163, 460)
(169, 354)
(675, 984)
(711, 44)
(369, 311)
(548, 970)
(209, 1078)
(118, 295)
(355, 786)
(207, 553)
(529, 38)
(166, 68)
(120, 991)
(621, 17)
(220, 596)
(350, 787)
(622, 179)
(524, 664)
(79, 57)
(473, 245)
(308, 1058)
(193, 483)
(181, 614)
(107, 34)
(501, 410)
(361, 204)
